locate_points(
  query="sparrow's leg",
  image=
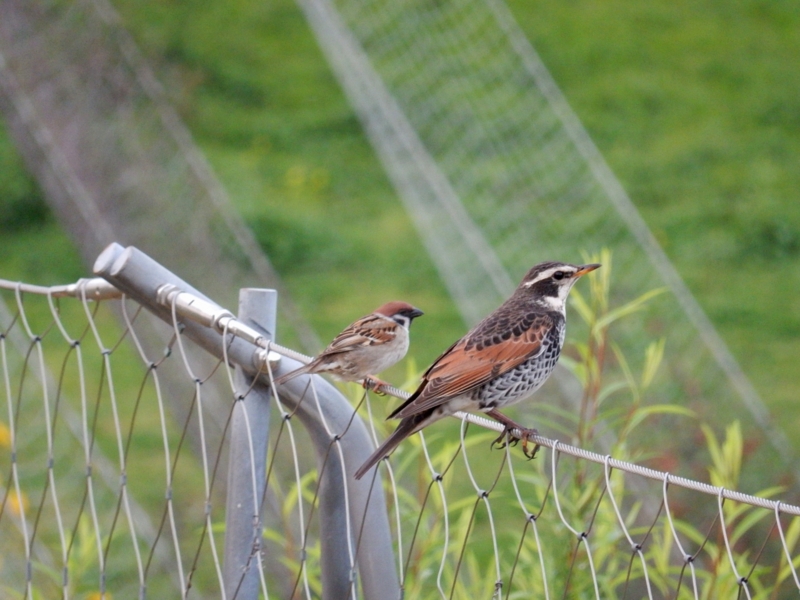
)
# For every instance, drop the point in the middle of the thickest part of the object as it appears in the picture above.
(374, 384)
(508, 437)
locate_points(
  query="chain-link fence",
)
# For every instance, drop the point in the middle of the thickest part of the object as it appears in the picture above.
(102, 495)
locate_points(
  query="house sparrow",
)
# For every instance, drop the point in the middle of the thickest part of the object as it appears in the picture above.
(367, 346)
(502, 360)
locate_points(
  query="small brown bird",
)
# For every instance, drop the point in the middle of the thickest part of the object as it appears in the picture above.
(502, 360)
(367, 346)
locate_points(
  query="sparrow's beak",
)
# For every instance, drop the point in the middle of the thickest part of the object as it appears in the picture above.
(586, 269)
(415, 313)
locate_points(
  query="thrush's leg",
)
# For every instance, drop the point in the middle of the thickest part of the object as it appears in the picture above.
(509, 437)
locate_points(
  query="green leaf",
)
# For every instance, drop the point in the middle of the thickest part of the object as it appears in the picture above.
(726, 457)
(652, 360)
(659, 409)
(599, 281)
(626, 370)
(582, 307)
(713, 446)
(754, 516)
(694, 536)
(627, 309)
(611, 389)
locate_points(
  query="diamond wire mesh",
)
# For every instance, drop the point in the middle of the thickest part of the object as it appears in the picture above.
(499, 174)
(469, 522)
(155, 517)
(555, 530)
(101, 503)
(103, 495)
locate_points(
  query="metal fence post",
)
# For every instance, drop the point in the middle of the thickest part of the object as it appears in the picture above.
(249, 438)
(341, 494)
(140, 277)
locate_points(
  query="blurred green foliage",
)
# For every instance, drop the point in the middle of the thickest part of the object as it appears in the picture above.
(21, 203)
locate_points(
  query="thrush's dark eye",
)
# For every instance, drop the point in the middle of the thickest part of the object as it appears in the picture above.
(559, 275)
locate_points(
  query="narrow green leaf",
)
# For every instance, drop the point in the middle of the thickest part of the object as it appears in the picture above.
(581, 306)
(626, 369)
(611, 389)
(652, 360)
(659, 409)
(627, 309)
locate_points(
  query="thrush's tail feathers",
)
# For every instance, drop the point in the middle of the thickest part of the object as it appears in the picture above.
(411, 399)
(407, 427)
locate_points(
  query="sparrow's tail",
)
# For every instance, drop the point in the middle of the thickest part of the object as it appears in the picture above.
(296, 373)
(407, 427)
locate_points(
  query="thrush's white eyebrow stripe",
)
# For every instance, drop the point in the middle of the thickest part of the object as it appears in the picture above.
(544, 275)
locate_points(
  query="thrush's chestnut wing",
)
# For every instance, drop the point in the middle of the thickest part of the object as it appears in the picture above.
(493, 348)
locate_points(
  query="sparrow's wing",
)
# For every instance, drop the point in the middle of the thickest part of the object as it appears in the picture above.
(372, 330)
(493, 348)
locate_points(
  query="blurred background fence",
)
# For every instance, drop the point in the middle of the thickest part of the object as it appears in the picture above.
(117, 507)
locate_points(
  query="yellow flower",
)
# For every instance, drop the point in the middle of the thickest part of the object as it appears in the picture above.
(15, 506)
(99, 596)
(5, 436)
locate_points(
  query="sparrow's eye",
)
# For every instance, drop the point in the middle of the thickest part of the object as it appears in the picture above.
(559, 275)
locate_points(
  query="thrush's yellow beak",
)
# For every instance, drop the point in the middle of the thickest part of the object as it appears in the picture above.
(586, 269)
